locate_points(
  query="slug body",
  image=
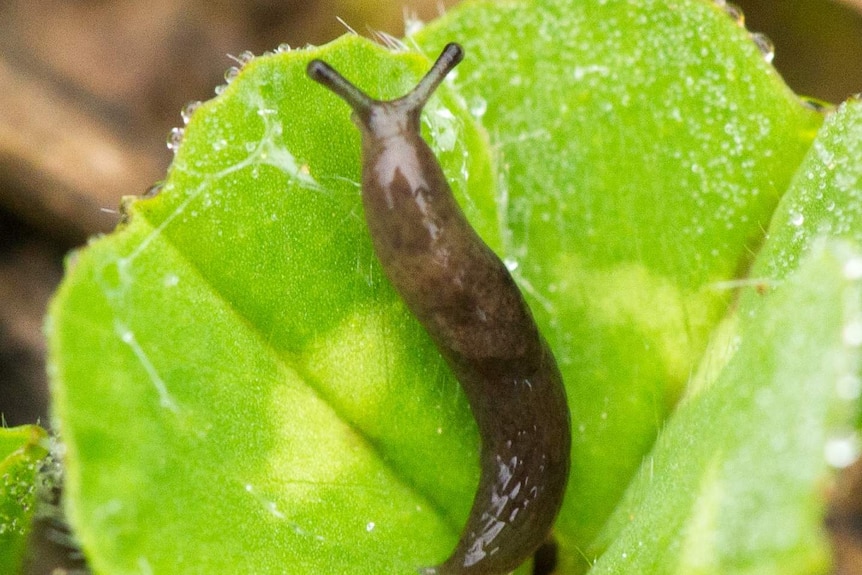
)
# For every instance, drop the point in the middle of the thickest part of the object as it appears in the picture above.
(471, 307)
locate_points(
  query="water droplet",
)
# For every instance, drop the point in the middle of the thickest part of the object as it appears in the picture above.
(230, 74)
(853, 268)
(219, 90)
(245, 57)
(815, 104)
(175, 138)
(852, 333)
(154, 190)
(370, 526)
(283, 48)
(734, 12)
(511, 264)
(797, 218)
(412, 25)
(188, 110)
(849, 387)
(765, 45)
(841, 451)
(478, 107)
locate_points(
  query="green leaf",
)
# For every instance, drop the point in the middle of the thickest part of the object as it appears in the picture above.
(736, 481)
(237, 384)
(21, 450)
(240, 389)
(824, 199)
(643, 147)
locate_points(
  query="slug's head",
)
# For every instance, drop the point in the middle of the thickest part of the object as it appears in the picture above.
(381, 119)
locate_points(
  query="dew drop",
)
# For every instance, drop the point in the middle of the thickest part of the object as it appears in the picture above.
(175, 138)
(412, 25)
(814, 104)
(853, 268)
(478, 107)
(245, 57)
(230, 74)
(219, 90)
(841, 451)
(154, 190)
(283, 48)
(765, 45)
(852, 333)
(797, 218)
(370, 526)
(188, 110)
(734, 12)
(849, 387)
(511, 264)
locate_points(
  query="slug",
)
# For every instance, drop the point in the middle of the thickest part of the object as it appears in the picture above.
(471, 307)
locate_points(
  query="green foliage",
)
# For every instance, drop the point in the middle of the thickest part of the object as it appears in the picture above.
(21, 450)
(239, 388)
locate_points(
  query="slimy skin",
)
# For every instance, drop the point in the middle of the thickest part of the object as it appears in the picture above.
(469, 304)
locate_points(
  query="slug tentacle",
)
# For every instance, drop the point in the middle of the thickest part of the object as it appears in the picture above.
(325, 74)
(471, 307)
(450, 57)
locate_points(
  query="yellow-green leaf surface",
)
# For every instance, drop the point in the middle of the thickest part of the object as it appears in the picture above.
(21, 450)
(641, 148)
(240, 389)
(236, 373)
(738, 479)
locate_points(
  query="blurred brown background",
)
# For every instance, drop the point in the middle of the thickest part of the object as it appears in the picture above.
(89, 90)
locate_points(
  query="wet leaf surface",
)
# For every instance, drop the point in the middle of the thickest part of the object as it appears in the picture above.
(232, 364)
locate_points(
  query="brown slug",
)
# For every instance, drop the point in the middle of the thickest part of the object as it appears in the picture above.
(471, 307)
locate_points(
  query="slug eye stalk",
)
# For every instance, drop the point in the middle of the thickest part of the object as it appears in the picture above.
(363, 104)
